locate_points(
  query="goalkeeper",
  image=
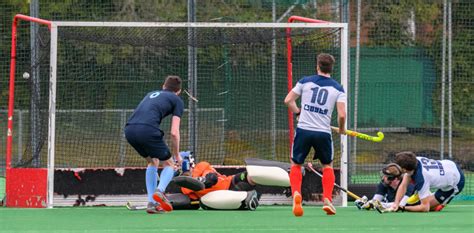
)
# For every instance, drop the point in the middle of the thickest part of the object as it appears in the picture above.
(216, 191)
(386, 190)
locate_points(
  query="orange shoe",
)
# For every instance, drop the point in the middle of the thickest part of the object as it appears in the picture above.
(328, 207)
(164, 203)
(439, 207)
(297, 204)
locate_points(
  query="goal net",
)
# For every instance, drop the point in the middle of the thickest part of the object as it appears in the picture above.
(85, 78)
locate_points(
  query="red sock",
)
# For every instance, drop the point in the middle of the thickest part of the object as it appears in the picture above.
(328, 182)
(295, 178)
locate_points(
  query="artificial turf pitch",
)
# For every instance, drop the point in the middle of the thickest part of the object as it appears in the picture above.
(456, 218)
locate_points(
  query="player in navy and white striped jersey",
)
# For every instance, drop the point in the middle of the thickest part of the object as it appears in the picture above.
(319, 94)
(426, 174)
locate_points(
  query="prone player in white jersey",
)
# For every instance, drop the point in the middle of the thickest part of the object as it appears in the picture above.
(387, 189)
(426, 174)
(319, 95)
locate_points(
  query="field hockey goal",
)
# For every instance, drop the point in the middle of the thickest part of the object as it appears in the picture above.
(72, 92)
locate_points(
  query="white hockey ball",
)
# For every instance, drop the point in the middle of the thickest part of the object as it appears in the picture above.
(26, 75)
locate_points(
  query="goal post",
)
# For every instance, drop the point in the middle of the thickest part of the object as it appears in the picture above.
(25, 187)
(94, 72)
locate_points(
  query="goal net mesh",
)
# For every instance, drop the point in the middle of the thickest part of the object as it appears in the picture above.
(104, 72)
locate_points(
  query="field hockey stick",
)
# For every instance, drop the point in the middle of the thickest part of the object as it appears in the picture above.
(190, 96)
(310, 166)
(379, 137)
(131, 206)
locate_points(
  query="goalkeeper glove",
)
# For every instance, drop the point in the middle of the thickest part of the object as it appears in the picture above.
(209, 180)
(372, 204)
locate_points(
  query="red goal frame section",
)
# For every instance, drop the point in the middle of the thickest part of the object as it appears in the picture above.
(25, 187)
(292, 19)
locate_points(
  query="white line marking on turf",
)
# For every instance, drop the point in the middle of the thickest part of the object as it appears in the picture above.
(124, 208)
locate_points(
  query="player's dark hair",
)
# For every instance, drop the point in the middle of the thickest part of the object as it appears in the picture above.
(325, 63)
(173, 83)
(406, 160)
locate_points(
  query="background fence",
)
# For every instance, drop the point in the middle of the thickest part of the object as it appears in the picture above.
(411, 68)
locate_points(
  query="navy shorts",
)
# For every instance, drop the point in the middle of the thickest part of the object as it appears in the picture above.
(444, 197)
(307, 139)
(147, 141)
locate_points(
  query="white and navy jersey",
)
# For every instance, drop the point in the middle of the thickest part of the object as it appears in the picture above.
(435, 174)
(319, 95)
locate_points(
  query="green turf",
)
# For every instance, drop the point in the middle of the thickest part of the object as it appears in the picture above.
(2, 188)
(458, 217)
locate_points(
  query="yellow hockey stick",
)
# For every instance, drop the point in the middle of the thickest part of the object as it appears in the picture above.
(379, 137)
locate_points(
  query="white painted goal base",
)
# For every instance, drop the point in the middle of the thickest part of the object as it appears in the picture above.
(121, 200)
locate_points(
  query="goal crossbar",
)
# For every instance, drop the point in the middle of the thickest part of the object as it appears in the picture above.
(197, 25)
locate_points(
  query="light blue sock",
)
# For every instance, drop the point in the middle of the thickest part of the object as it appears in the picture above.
(165, 178)
(151, 178)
